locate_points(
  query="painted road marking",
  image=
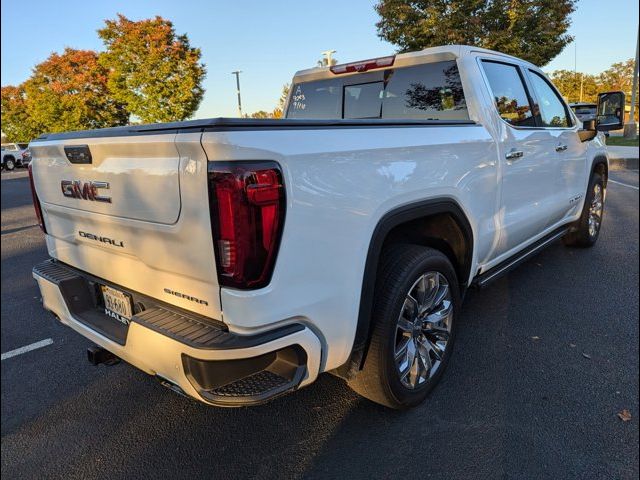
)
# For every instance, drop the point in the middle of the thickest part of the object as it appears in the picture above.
(624, 184)
(27, 348)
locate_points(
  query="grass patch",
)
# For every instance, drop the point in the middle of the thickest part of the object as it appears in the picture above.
(622, 142)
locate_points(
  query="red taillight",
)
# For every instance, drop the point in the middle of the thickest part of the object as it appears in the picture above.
(247, 202)
(364, 65)
(36, 202)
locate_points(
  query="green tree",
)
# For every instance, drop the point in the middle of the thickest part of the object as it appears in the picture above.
(569, 84)
(16, 122)
(535, 30)
(153, 71)
(618, 77)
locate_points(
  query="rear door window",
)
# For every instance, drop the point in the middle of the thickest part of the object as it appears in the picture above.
(430, 91)
(509, 94)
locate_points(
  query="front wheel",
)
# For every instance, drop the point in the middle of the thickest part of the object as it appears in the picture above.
(9, 163)
(416, 304)
(586, 230)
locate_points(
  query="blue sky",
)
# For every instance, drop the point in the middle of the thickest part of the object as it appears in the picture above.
(269, 40)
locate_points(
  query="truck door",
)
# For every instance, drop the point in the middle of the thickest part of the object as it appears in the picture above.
(528, 159)
(571, 152)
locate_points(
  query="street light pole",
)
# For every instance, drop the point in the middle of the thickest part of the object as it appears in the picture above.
(630, 127)
(237, 74)
(581, 85)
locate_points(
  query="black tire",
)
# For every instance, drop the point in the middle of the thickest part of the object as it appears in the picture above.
(581, 235)
(9, 163)
(380, 379)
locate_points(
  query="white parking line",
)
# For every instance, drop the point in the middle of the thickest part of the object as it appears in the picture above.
(27, 348)
(624, 184)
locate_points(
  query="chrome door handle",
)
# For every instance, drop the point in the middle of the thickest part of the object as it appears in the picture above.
(561, 148)
(514, 155)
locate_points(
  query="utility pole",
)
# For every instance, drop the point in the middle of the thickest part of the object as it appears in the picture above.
(575, 65)
(237, 74)
(630, 130)
(327, 54)
(581, 85)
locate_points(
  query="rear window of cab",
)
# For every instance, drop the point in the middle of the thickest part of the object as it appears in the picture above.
(431, 91)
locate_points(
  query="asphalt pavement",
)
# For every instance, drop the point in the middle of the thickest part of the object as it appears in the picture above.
(545, 360)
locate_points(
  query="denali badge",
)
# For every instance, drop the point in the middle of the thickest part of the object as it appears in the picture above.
(575, 199)
(84, 191)
(98, 238)
(186, 297)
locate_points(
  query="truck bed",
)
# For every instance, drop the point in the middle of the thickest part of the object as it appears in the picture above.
(231, 124)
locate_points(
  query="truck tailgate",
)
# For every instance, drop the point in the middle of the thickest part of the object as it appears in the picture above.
(137, 215)
(141, 173)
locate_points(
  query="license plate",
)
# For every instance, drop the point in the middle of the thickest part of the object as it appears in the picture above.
(117, 304)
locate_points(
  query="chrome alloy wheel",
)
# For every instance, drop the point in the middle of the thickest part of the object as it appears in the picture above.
(424, 328)
(595, 210)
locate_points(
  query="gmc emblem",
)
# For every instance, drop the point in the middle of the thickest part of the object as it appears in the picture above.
(84, 191)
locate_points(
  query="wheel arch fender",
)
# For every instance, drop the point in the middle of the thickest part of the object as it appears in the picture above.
(390, 220)
(600, 164)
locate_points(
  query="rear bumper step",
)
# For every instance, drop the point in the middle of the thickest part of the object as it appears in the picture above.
(250, 381)
(199, 356)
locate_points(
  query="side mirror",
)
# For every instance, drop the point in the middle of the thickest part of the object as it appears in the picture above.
(610, 114)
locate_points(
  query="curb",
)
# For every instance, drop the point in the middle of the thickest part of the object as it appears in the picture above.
(623, 163)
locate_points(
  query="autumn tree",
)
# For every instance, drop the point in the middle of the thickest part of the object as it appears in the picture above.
(69, 91)
(260, 114)
(535, 30)
(154, 72)
(277, 112)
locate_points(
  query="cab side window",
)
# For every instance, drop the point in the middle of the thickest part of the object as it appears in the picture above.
(509, 94)
(553, 112)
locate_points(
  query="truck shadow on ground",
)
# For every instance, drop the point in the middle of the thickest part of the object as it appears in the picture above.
(516, 400)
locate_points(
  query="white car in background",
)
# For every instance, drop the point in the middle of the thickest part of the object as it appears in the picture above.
(15, 155)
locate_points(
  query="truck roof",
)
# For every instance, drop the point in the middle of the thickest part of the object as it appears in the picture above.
(432, 54)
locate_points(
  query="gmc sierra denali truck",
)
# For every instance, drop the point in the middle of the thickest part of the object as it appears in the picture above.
(237, 259)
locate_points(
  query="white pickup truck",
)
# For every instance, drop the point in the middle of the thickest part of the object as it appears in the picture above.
(237, 259)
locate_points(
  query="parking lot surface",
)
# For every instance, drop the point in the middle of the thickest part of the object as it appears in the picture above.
(545, 360)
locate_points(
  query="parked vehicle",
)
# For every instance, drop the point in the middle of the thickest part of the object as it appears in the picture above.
(584, 111)
(12, 155)
(237, 259)
(26, 158)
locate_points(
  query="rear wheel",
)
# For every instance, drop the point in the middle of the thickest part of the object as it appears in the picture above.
(586, 230)
(415, 307)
